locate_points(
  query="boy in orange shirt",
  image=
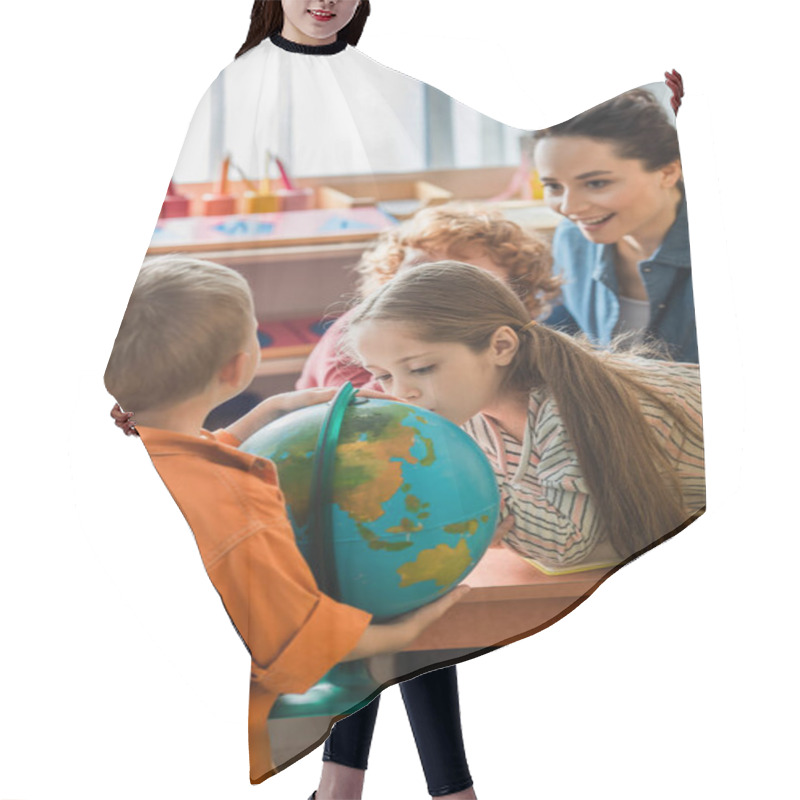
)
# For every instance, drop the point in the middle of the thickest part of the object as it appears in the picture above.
(186, 344)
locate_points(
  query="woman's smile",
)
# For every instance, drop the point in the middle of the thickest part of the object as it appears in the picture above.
(607, 196)
(593, 223)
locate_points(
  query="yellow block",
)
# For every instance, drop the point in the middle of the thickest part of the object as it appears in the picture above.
(260, 203)
(537, 189)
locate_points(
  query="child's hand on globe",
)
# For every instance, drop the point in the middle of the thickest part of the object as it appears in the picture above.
(276, 406)
(505, 526)
(389, 637)
(376, 395)
(281, 404)
(421, 618)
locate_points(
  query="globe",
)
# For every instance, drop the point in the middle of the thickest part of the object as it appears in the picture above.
(412, 503)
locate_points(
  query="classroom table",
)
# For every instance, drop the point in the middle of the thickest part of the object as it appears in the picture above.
(510, 599)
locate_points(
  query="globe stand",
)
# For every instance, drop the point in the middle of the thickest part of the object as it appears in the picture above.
(348, 686)
(344, 690)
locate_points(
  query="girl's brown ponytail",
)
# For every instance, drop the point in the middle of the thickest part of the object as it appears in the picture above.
(629, 475)
(598, 394)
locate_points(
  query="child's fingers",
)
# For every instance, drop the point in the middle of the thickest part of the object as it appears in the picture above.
(375, 394)
(459, 592)
(306, 397)
(440, 606)
(506, 526)
(124, 420)
(319, 395)
(416, 621)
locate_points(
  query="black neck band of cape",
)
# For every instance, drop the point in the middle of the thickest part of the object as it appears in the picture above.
(308, 49)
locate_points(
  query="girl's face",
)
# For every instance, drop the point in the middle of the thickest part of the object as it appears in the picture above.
(446, 377)
(315, 22)
(608, 197)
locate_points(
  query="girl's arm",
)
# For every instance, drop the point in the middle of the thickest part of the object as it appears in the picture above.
(555, 519)
(551, 525)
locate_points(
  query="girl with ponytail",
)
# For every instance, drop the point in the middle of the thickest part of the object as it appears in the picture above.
(598, 455)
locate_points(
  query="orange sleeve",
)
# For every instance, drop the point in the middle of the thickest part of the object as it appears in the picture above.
(223, 436)
(294, 632)
(330, 632)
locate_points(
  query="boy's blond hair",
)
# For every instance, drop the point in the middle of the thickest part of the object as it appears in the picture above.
(185, 319)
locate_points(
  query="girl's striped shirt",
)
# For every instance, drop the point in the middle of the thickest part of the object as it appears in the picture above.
(543, 487)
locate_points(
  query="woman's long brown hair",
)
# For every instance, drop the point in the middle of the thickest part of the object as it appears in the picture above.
(635, 123)
(629, 474)
(266, 19)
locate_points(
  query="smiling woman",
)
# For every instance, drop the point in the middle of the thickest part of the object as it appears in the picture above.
(612, 200)
(615, 173)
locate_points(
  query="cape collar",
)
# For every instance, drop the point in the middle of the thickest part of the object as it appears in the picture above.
(308, 49)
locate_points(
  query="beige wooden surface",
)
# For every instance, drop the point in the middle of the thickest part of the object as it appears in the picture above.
(510, 599)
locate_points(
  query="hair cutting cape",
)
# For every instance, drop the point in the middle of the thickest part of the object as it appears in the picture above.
(335, 118)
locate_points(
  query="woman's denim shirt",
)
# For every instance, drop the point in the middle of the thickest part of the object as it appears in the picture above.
(589, 294)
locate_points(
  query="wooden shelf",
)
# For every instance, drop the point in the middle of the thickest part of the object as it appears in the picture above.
(315, 276)
(267, 256)
(290, 365)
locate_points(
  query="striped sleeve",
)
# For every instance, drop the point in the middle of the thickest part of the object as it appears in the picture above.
(541, 486)
(555, 519)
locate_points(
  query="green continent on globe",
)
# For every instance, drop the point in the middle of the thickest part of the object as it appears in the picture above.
(468, 527)
(376, 543)
(413, 503)
(294, 463)
(372, 449)
(443, 564)
(430, 453)
(405, 526)
(369, 470)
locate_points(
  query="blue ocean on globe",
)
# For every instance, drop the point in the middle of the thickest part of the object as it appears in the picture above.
(414, 502)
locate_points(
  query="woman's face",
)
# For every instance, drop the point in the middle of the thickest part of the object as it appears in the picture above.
(315, 22)
(446, 377)
(606, 196)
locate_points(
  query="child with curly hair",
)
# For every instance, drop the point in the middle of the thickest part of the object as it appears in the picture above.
(474, 234)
